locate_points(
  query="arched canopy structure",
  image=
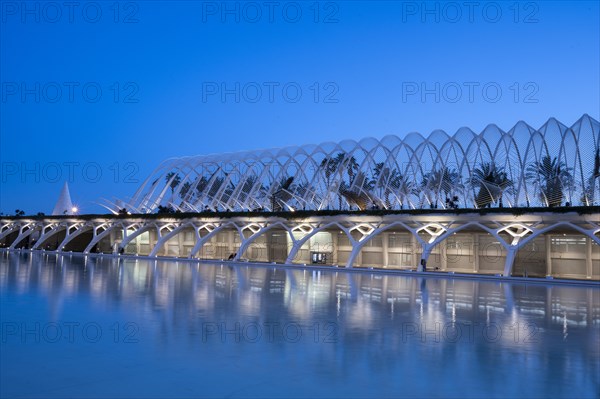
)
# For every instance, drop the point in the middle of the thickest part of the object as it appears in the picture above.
(549, 166)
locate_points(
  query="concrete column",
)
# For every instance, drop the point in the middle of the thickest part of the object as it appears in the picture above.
(415, 260)
(384, 245)
(444, 255)
(180, 240)
(230, 249)
(268, 247)
(335, 247)
(424, 257)
(136, 240)
(121, 235)
(588, 258)
(548, 241)
(510, 260)
(112, 236)
(152, 240)
(476, 252)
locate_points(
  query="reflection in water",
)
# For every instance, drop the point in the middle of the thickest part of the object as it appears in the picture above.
(219, 330)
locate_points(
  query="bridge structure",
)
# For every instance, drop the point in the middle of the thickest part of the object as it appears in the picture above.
(518, 202)
(539, 243)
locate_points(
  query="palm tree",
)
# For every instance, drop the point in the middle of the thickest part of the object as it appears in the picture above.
(492, 181)
(201, 185)
(173, 179)
(351, 167)
(438, 181)
(329, 166)
(165, 209)
(281, 193)
(381, 176)
(589, 194)
(305, 194)
(185, 189)
(360, 193)
(552, 177)
(401, 186)
(338, 164)
(596, 172)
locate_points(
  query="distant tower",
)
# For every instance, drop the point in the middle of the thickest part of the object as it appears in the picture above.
(64, 206)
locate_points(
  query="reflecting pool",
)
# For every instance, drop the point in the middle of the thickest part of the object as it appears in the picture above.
(105, 327)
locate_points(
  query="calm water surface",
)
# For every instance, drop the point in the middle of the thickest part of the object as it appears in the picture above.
(77, 327)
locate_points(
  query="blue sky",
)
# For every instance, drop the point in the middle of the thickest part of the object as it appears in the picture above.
(100, 93)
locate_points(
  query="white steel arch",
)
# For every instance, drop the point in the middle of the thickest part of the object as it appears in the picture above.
(550, 166)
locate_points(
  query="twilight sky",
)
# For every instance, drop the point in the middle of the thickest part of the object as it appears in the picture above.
(99, 93)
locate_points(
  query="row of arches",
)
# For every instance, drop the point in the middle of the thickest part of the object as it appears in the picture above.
(399, 242)
(549, 166)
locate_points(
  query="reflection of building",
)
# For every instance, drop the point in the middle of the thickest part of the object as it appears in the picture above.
(554, 167)
(165, 289)
(392, 324)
